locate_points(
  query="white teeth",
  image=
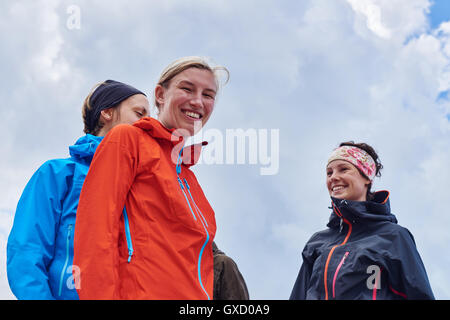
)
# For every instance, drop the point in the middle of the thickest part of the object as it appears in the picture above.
(192, 114)
(337, 188)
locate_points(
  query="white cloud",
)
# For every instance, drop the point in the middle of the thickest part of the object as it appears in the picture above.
(321, 71)
(372, 13)
(391, 19)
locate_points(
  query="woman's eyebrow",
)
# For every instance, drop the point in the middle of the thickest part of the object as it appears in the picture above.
(187, 82)
(211, 90)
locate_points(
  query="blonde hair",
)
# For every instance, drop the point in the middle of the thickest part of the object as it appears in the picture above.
(181, 64)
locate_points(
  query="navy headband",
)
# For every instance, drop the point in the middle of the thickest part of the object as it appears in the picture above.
(108, 95)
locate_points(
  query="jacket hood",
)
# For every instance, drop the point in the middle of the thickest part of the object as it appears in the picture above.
(85, 147)
(189, 154)
(155, 129)
(378, 209)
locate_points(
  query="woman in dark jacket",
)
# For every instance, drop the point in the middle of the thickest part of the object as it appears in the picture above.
(364, 253)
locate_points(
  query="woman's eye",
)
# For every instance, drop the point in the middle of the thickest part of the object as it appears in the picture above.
(186, 89)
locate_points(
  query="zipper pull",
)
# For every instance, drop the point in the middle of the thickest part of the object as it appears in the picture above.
(127, 234)
(179, 162)
(341, 224)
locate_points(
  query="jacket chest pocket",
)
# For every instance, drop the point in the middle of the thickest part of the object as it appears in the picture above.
(336, 272)
(185, 205)
(354, 274)
(173, 197)
(197, 214)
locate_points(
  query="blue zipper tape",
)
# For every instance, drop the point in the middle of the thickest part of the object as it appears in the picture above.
(128, 234)
(66, 262)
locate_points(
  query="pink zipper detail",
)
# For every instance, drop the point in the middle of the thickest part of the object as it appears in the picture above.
(337, 270)
(375, 287)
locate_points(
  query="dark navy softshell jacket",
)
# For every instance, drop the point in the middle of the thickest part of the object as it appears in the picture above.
(40, 245)
(364, 254)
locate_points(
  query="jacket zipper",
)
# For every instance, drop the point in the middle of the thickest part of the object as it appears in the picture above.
(185, 196)
(349, 232)
(205, 225)
(128, 234)
(376, 286)
(66, 262)
(193, 201)
(337, 271)
(178, 170)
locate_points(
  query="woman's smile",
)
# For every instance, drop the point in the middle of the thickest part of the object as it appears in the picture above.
(192, 114)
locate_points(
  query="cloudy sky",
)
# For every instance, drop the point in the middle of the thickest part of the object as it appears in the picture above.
(316, 72)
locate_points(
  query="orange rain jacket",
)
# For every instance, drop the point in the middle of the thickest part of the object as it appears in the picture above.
(144, 228)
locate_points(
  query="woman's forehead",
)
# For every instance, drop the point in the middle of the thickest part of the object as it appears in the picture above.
(198, 77)
(338, 163)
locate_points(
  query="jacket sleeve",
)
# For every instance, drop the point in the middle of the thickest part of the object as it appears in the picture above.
(102, 199)
(32, 238)
(302, 282)
(299, 292)
(406, 273)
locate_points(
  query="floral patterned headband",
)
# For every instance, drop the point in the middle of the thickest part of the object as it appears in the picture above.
(356, 156)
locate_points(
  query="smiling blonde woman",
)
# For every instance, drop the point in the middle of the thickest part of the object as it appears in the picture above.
(152, 232)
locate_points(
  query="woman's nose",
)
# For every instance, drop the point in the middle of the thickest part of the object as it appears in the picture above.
(196, 101)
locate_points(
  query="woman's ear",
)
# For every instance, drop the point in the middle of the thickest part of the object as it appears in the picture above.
(107, 114)
(159, 95)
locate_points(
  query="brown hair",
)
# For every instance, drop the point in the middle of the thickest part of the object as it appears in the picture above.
(87, 108)
(371, 151)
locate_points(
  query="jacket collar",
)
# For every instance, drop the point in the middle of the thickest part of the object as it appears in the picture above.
(85, 147)
(363, 212)
(189, 154)
(156, 130)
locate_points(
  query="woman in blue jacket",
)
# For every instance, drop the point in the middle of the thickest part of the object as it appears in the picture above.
(40, 245)
(364, 253)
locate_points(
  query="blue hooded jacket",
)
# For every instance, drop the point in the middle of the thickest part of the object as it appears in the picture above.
(40, 245)
(363, 255)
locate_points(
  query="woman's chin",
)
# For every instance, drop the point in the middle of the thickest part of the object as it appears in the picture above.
(338, 195)
(192, 128)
